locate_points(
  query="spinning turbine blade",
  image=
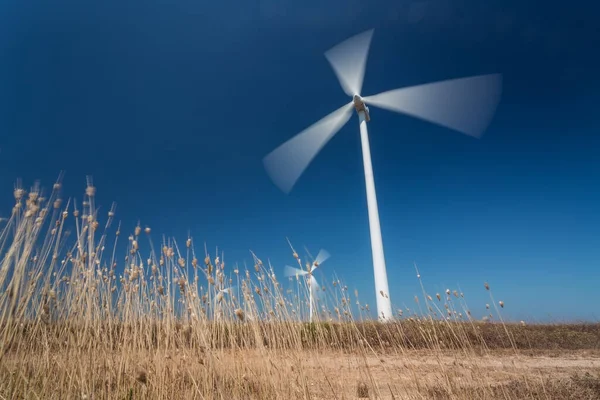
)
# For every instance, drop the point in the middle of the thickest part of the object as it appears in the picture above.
(229, 289)
(286, 163)
(291, 271)
(465, 104)
(314, 285)
(315, 289)
(307, 252)
(322, 256)
(220, 294)
(348, 60)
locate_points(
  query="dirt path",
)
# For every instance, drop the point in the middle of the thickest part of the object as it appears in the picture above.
(334, 375)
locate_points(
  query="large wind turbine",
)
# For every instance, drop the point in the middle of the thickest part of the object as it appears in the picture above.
(465, 105)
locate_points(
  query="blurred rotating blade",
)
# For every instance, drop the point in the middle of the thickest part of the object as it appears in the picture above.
(291, 271)
(322, 257)
(220, 294)
(348, 60)
(286, 163)
(466, 104)
(229, 290)
(314, 285)
(315, 289)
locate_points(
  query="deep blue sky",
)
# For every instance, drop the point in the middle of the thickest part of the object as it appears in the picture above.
(171, 106)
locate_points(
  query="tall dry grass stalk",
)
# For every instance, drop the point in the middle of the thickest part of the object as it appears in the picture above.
(79, 320)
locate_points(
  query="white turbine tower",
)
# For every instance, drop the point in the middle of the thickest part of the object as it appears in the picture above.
(465, 105)
(313, 285)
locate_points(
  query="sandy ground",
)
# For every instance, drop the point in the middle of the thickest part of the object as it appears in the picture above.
(401, 375)
(337, 375)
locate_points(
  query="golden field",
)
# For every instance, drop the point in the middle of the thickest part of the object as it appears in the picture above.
(81, 320)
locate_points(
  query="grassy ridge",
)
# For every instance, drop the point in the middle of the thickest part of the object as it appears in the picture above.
(409, 335)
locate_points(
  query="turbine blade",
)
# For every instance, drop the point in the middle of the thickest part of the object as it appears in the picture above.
(348, 60)
(291, 271)
(286, 163)
(229, 289)
(314, 285)
(308, 252)
(465, 104)
(315, 288)
(322, 256)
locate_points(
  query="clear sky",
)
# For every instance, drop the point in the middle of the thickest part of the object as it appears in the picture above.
(171, 107)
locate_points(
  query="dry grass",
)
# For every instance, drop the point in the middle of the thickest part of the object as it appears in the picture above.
(79, 321)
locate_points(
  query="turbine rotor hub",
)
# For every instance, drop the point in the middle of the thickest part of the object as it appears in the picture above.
(360, 106)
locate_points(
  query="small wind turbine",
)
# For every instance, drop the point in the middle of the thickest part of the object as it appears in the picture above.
(219, 298)
(465, 105)
(313, 285)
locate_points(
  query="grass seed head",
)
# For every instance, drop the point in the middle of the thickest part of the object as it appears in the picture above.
(142, 377)
(19, 193)
(239, 313)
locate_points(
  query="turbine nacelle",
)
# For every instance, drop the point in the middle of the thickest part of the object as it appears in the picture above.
(359, 105)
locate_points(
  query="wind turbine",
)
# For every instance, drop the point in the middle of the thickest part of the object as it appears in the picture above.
(219, 297)
(466, 105)
(313, 285)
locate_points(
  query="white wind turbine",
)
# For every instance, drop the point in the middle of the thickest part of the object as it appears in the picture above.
(220, 297)
(313, 285)
(466, 105)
